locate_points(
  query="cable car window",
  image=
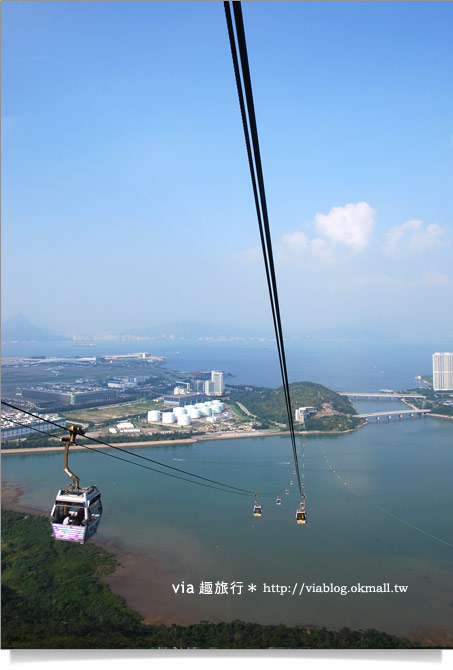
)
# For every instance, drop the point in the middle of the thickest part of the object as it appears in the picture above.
(95, 508)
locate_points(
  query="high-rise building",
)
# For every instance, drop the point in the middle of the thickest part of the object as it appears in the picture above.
(217, 380)
(209, 387)
(443, 371)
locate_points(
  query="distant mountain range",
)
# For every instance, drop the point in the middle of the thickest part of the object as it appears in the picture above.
(190, 330)
(19, 329)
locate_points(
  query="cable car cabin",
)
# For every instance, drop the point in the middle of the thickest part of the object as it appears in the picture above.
(278, 501)
(76, 514)
(257, 510)
(301, 516)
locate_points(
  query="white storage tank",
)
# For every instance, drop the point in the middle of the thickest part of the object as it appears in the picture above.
(216, 410)
(194, 413)
(205, 411)
(154, 415)
(168, 417)
(179, 410)
(184, 420)
(219, 405)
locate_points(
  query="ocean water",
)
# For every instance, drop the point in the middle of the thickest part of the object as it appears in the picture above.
(381, 515)
(379, 506)
(342, 365)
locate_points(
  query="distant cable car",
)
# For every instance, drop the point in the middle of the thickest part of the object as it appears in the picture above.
(257, 508)
(301, 514)
(291, 482)
(77, 510)
(287, 491)
(279, 500)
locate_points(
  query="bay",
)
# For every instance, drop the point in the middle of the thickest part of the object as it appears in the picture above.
(379, 502)
(205, 535)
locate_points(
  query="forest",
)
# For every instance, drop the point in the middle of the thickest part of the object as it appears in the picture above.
(269, 405)
(53, 598)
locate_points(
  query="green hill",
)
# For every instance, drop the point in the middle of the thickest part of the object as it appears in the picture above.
(335, 412)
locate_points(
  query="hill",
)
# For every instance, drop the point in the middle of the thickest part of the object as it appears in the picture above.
(335, 412)
(20, 329)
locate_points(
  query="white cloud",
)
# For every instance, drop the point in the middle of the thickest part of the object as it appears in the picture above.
(249, 255)
(351, 225)
(295, 242)
(384, 280)
(436, 279)
(412, 237)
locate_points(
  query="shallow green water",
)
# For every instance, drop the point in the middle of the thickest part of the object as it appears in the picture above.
(207, 535)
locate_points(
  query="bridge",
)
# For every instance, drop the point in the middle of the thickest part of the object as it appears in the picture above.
(399, 412)
(383, 395)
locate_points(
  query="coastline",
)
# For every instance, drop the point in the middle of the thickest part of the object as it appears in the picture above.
(191, 440)
(436, 416)
(134, 577)
(140, 580)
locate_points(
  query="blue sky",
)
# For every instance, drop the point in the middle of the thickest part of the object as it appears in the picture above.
(126, 197)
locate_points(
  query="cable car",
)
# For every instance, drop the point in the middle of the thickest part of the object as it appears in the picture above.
(287, 491)
(257, 508)
(76, 514)
(291, 482)
(77, 510)
(279, 500)
(301, 515)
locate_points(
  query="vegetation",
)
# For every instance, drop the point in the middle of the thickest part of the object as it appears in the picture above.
(434, 401)
(269, 405)
(161, 435)
(52, 598)
(333, 422)
(34, 441)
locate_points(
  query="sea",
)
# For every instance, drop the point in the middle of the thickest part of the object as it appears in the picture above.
(379, 501)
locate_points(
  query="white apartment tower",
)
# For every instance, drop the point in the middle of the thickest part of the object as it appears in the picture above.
(217, 380)
(209, 387)
(443, 371)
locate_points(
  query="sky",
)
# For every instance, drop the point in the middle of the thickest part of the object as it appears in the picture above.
(126, 196)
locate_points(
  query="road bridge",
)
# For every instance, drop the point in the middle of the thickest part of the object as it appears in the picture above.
(398, 412)
(383, 395)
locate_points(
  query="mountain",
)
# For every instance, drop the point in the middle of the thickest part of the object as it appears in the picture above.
(19, 329)
(189, 330)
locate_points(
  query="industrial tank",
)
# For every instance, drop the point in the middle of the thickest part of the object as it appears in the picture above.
(168, 417)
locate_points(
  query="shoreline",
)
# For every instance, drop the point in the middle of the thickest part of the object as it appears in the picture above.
(137, 574)
(190, 440)
(437, 416)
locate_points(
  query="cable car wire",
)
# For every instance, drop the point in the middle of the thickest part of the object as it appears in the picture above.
(130, 453)
(244, 88)
(374, 504)
(125, 460)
